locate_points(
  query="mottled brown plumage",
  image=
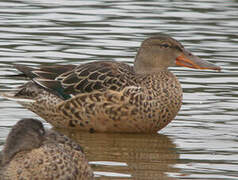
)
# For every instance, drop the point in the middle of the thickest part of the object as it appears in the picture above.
(31, 152)
(109, 96)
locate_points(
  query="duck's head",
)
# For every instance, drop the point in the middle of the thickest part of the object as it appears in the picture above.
(26, 134)
(159, 52)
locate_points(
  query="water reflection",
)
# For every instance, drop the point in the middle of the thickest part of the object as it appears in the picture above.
(128, 156)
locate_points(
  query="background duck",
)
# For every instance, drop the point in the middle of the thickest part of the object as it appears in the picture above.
(109, 96)
(30, 152)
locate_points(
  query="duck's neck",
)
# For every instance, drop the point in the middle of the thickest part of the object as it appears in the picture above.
(149, 70)
(148, 64)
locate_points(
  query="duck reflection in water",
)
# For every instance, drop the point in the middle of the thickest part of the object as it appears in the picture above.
(128, 156)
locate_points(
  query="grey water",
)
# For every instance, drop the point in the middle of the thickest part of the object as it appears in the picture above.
(201, 142)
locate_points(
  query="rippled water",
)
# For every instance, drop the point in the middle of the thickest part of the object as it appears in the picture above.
(202, 141)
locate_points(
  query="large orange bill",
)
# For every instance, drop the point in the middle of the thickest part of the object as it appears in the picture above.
(189, 60)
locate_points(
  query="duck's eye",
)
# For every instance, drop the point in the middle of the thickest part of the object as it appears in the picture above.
(165, 45)
(178, 48)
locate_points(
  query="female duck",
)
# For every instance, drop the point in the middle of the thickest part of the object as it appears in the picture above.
(109, 96)
(31, 152)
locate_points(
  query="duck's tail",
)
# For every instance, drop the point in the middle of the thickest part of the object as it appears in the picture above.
(13, 97)
(24, 94)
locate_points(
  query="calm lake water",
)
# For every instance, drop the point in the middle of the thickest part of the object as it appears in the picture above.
(201, 142)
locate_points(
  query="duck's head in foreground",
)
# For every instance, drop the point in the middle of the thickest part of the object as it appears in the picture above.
(31, 152)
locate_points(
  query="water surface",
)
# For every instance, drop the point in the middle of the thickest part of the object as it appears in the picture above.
(201, 143)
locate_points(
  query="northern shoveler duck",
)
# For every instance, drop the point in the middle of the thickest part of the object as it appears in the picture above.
(109, 96)
(31, 152)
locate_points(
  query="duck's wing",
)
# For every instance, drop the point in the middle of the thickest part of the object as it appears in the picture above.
(68, 80)
(55, 137)
(45, 76)
(45, 72)
(97, 76)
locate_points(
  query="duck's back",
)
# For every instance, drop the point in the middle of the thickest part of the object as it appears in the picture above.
(97, 76)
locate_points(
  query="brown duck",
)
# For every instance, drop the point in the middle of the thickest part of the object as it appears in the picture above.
(30, 152)
(109, 96)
